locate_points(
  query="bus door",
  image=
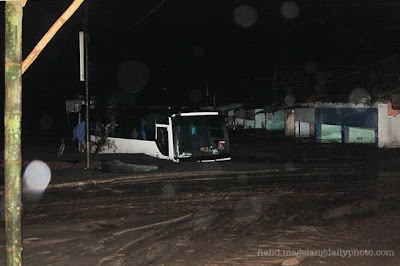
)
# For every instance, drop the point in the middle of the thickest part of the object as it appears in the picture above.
(164, 139)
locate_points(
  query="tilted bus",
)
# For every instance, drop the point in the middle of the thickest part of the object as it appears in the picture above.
(201, 136)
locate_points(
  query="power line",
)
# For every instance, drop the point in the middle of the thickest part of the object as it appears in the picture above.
(146, 16)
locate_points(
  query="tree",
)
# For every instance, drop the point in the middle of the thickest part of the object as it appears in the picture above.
(12, 130)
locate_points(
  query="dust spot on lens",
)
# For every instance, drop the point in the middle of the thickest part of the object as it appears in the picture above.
(290, 99)
(203, 219)
(46, 122)
(242, 178)
(289, 165)
(310, 67)
(168, 191)
(245, 16)
(196, 95)
(290, 10)
(133, 76)
(249, 210)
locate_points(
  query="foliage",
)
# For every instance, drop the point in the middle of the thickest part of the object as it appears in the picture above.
(102, 142)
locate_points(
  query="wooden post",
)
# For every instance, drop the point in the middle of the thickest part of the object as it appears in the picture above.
(86, 29)
(12, 130)
(50, 34)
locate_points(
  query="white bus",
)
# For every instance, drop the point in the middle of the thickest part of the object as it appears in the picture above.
(200, 136)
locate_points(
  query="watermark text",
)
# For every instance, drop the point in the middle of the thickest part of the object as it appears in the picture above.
(344, 253)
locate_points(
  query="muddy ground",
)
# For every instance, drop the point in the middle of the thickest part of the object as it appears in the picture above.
(277, 202)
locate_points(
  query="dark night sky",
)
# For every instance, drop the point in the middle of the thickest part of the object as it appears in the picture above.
(331, 33)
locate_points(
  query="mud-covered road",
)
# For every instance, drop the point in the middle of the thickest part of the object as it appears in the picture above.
(272, 204)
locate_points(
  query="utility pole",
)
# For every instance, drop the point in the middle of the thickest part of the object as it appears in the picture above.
(12, 130)
(86, 32)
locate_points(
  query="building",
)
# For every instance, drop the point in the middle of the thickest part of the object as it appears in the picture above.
(378, 123)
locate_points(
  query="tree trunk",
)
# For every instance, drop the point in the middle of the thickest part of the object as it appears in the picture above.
(12, 130)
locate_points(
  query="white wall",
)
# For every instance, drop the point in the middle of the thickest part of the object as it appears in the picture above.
(302, 129)
(388, 128)
(304, 115)
(259, 119)
(394, 131)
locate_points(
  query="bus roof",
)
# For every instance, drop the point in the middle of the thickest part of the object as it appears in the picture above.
(195, 114)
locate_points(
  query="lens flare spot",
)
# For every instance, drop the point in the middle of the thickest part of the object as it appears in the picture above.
(290, 10)
(36, 177)
(245, 16)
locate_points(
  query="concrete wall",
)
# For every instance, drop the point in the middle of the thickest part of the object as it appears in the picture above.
(360, 124)
(304, 119)
(304, 130)
(275, 120)
(388, 127)
(383, 125)
(248, 123)
(259, 119)
(394, 131)
(360, 135)
(305, 115)
(239, 122)
(330, 133)
(352, 117)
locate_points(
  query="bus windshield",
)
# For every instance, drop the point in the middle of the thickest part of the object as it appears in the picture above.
(204, 137)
